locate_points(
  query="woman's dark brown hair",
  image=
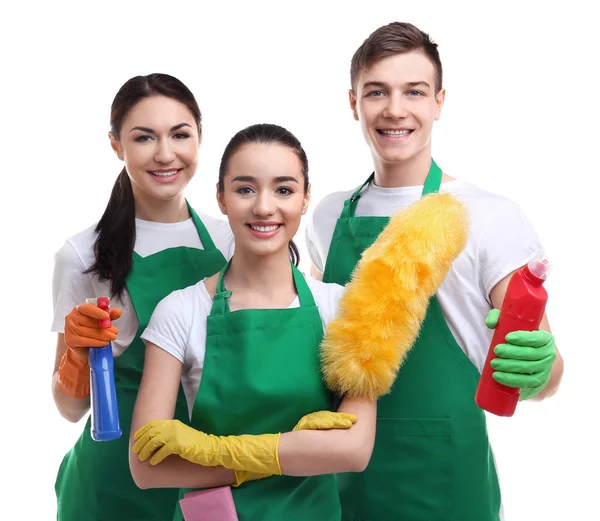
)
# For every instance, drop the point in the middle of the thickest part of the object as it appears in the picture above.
(266, 133)
(114, 245)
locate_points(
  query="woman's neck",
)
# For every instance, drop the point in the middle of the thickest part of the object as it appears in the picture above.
(260, 281)
(160, 211)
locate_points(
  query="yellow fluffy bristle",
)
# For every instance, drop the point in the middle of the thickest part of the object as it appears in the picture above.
(386, 301)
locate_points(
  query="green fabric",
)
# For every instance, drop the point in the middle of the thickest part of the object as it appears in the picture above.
(525, 360)
(261, 375)
(432, 459)
(94, 482)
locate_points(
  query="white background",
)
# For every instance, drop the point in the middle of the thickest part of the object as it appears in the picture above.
(520, 118)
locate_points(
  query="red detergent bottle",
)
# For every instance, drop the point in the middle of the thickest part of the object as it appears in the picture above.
(522, 310)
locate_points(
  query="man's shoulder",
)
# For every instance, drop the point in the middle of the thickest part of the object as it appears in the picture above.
(331, 205)
(476, 197)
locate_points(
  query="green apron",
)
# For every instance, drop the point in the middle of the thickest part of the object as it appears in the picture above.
(94, 482)
(432, 459)
(261, 374)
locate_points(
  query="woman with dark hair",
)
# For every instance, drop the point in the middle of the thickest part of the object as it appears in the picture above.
(245, 345)
(148, 243)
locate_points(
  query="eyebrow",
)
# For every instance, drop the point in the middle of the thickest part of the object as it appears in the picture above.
(151, 131)
(252, 179)
(409, 84)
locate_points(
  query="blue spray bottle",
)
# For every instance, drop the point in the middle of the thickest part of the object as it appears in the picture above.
(103, 393)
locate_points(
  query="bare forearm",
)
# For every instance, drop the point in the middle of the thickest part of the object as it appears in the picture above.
(175, 472)
(310, 453)
(72, 409)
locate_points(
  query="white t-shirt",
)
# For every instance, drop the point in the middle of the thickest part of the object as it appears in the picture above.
(501, 240)
(71, 286)
(178, 326)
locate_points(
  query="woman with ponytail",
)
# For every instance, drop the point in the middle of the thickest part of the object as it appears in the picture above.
(148, 243)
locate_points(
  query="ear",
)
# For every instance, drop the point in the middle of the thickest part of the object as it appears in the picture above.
(221, 201)
(306, 200)
(114, 144)
(440, 97)
(352, 99)
(199, 135)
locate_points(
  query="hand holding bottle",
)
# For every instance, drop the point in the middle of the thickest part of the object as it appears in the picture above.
(525, 360)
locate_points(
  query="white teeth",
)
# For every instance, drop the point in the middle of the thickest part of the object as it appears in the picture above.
(395, 133)
(165, 174)
(265, 228)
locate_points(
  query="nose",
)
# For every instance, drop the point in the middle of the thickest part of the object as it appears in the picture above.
(396, 107)
(264, 204)
(164, 152)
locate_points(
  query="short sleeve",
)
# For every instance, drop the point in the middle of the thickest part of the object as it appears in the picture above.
(327, 297)
(169, 326)
(70, 285)
(311, 246)
(507, 243)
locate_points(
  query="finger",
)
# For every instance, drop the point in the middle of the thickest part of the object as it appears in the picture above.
(508, 365)
(327, 424)
(108, 334)
(84, 321)
(348, 416)
(94, 329)
(524, 353)
(140, 444)
(491, 321)
(151, 446)
(520, 381)
(115, 313)
(164, 452)
(538, 338)
(319, 424)
(77, 341)
(92, 311)
(341, 423)
(143, 429)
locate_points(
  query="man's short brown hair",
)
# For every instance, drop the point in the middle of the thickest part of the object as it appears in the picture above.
(395, 38)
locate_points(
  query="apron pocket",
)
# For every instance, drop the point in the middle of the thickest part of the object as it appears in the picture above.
(409, 475)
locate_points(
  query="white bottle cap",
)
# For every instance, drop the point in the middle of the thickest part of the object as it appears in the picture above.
(540, 267)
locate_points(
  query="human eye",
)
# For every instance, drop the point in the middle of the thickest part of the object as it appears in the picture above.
(181, 135)
(375, 94)
(284, 190)
(243, 190)
(143, 139)
(415, 93)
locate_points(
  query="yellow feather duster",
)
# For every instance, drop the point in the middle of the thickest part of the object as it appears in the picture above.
(385, 303)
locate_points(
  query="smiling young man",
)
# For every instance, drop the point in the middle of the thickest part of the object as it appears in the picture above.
(432, 458)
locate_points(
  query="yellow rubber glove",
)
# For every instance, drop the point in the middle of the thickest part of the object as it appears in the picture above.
(252, 457)
(161, 438)
(321, 420)
(324, 420)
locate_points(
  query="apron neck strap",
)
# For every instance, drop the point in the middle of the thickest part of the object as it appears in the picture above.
(221, 298)
(205, 237)
(434, 179)
(305, 296)
(432, 185)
